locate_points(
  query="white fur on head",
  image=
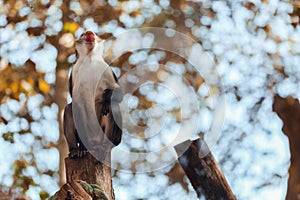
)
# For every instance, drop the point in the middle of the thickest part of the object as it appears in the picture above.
(84, 47)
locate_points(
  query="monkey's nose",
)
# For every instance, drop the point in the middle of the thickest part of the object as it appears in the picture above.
(89, 36)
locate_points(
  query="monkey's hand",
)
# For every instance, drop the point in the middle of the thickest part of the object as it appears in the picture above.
(108, 96)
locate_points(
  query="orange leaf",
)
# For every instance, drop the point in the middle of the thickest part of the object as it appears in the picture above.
(14, 87)
(44, 86)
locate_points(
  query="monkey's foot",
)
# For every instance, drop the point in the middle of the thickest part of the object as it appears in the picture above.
(77, 153)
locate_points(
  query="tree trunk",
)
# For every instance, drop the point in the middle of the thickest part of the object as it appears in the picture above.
(60, 100)
(204, 173)
(89, 169)
(83, 174)
(289, 111)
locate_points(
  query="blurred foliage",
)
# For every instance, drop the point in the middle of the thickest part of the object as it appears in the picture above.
(55, 23)
(20, 179)
(15, 80)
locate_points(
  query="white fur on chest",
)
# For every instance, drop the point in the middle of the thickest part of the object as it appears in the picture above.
(92, 74)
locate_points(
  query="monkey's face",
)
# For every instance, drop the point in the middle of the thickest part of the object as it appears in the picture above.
(87, 42)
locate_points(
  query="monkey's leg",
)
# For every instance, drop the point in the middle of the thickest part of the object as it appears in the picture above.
(71, 133)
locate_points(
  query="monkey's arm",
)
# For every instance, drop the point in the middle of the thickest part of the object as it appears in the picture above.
(111, 122)
(111, 95)
(109, 113)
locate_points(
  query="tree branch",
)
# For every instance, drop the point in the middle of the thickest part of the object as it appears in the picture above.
(204, 173)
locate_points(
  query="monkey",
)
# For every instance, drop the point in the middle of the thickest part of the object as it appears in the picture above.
(93, 81)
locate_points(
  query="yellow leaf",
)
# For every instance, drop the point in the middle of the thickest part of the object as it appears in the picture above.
(44, 86)
(3, 86)
(30, 81)
(67, 26)
(14, 87)
(71, 27)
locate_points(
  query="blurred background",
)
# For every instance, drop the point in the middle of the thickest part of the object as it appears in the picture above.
(254, 48)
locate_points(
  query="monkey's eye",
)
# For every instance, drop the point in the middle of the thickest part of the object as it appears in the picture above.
(80, 38)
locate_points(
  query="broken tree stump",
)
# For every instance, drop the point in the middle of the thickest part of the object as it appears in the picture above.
(87, 178)
(89, 169)
(203, 171)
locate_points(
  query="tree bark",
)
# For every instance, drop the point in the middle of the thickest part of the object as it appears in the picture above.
(81, 174)
(289, 111)
(89, 169)
(204, 173)
(60, 100)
